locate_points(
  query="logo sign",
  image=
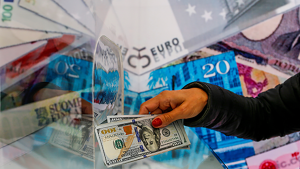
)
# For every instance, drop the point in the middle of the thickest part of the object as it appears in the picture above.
(144, 59)
(139, 57)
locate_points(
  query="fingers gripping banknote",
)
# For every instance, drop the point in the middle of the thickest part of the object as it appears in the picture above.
(129, 140)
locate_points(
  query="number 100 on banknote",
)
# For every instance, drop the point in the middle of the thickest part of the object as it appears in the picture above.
(129, 140)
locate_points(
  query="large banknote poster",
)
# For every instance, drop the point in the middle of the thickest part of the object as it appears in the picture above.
(259, 69)
(47, 51)
(25, 120)
(166, 30)
(46, 67)
(43, 68)
(221, 70)
(284, 157)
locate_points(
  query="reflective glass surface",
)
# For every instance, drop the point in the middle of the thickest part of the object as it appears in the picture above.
(59, 78)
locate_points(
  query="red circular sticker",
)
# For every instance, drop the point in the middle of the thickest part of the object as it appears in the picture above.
(268, 164)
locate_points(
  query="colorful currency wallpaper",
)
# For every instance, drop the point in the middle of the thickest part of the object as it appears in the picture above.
(248, 63)
(58, 78)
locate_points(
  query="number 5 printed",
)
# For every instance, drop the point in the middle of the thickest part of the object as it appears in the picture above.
(211, 68)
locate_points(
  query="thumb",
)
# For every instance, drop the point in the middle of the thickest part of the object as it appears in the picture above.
(164, 119)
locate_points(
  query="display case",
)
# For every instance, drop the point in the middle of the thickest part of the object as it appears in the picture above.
(59, 80)
(65, 65)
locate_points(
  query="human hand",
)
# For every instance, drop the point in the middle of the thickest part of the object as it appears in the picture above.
(175, 105)
(86, 107)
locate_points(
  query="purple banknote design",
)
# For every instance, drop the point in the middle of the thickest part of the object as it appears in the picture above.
(278, 48)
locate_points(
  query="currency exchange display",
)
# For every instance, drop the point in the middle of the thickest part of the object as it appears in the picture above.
(46, 84)
(259, 58)
(167, 30)
(73, 74)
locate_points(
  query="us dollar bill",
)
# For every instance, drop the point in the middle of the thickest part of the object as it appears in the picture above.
(134, 139)
(124, 117)
(127, 117)
(74, 138)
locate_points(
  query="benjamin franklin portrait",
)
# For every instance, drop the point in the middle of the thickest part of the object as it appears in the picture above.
(150, 136)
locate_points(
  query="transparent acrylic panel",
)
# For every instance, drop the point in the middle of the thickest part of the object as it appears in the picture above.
(198, 156)
(107, 23)
(46, 107)
(46, 71)
(108, 86)
(49, 56)
(108, 80)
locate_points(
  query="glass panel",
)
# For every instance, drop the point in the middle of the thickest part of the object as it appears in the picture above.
(61, 74)
(57, 82)
(46, 69)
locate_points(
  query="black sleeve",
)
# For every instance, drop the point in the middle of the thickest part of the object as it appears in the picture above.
(274, 112)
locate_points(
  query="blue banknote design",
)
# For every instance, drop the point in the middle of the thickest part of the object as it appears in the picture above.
(219, 70)
(69, 73)
(75, 74)
(106, 86)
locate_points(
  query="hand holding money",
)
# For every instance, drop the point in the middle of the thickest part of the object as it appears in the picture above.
(175, 105)
(129, 140)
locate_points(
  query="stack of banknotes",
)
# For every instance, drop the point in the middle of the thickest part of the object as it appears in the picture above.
(128, 138)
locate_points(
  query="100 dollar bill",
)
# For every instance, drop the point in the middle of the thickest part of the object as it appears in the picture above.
(77, 139)
(127, 117)
(129, 140)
